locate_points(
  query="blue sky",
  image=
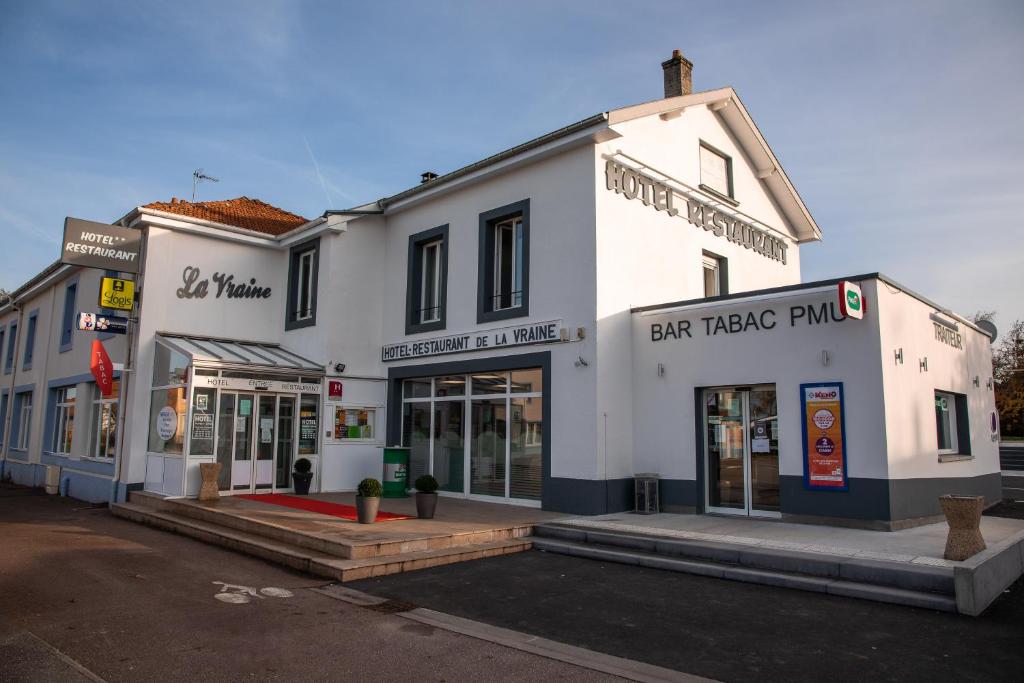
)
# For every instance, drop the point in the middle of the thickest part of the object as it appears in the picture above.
(898, 122)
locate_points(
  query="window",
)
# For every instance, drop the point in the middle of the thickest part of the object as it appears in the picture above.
(353, 423)
(715, 171)
(168, 407)
(3, 416)
(716, 275)
(30, 339)
(504, 289)
(104, 426)
(3, 334)
(302, 285)
(951, 424)
(12, 338)
(64, 420)
(68, 321)
(22, 419)
(427, 281)
(478, 434)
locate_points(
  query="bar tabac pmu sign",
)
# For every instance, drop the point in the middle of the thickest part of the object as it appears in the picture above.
(98, 245)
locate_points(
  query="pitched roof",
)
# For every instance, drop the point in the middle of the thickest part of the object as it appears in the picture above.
(241, 212)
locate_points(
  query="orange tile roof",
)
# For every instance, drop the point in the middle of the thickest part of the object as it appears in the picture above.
(242, 212)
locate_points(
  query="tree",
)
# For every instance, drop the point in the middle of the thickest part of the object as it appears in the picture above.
(1008, 374)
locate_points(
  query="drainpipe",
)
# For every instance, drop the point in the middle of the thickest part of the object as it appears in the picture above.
(127, 372)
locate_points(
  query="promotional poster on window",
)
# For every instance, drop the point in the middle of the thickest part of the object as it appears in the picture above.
(824, 437)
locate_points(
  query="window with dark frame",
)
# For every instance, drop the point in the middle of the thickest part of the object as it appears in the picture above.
(952, 433)
(12, 339)
(30, 340)
(715, 171)
(427, 281)
(303, 275)
(504, 264)
(67, 329)
(716, 275)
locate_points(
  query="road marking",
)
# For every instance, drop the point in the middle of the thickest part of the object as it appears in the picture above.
(237, 594)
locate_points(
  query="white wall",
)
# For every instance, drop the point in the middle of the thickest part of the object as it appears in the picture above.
(910, 392)
(787, 355)
(649, 257)
(562, 266)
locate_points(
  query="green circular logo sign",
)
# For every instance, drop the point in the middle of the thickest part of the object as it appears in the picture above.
(853, 300)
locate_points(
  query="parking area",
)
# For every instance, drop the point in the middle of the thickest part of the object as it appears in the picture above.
(720, 629)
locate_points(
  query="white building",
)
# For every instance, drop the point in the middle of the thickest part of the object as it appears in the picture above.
(507, 322)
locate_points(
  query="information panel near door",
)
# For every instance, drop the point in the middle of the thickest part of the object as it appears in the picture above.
(824, 436)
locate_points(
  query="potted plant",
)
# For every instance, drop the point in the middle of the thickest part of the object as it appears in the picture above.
(368, 500)
(302, 476)
(426, 496)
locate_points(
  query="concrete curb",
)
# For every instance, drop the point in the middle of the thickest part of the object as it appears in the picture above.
(570, 654)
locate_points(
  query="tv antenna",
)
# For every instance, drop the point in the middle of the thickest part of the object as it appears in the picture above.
(197, 177)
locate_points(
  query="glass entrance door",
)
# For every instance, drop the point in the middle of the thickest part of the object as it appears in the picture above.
(256, 439)
(741, 432)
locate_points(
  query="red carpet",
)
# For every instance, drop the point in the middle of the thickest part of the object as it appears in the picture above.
(320, 506)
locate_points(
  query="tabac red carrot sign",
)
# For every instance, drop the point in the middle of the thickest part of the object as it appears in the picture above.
(824, 436)
(102, 368)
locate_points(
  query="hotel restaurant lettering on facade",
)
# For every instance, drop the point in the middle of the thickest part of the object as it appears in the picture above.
(622, 295)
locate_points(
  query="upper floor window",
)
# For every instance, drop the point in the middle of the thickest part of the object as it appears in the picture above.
(302, 285)
(715, 275)
(30, 339)
(3, 334)
(715, 171)
(68, 320)
(504, 290)
(427, 281)
(3, 415)
(12, 338)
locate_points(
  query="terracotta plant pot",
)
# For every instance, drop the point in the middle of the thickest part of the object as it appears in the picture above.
(426, 504)
(963, 514)
(210, 473)
(366, 508)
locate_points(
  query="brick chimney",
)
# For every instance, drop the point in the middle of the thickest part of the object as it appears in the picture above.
(678, 75)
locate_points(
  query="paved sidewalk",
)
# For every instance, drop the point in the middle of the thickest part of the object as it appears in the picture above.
(922, 545)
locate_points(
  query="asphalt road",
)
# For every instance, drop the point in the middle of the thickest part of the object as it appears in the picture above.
(84, 594)
(720, 629)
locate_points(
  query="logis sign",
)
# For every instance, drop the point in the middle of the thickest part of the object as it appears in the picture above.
(634, 184)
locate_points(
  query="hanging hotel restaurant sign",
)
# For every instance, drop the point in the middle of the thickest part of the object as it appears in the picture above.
(117, 293)
(851, 301)
(634, 184)
(824, 437)
(484, 340)
(98, 245)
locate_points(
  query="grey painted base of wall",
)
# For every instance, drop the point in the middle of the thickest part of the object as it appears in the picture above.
(24, 473)
(885, 504)
(82, 486)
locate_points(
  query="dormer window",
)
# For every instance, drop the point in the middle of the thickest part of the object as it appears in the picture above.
(715, 171)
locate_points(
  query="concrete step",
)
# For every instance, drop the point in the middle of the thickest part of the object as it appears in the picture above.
(866, 591)
(337, 545)
(304, 559)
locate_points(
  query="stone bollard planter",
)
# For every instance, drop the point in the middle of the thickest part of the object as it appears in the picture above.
(210, 473)
(963, 514)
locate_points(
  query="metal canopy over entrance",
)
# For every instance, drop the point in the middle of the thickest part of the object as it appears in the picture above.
(251, 355)
(253, 407)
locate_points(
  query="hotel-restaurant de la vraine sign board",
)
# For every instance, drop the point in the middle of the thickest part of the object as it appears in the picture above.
(98, 245)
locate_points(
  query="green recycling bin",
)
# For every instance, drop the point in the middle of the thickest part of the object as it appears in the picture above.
(396, 472)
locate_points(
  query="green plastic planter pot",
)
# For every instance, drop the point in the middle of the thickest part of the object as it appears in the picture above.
(396, 472)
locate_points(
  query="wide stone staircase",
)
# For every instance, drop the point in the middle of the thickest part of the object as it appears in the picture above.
(930, 587)
(340, 551)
